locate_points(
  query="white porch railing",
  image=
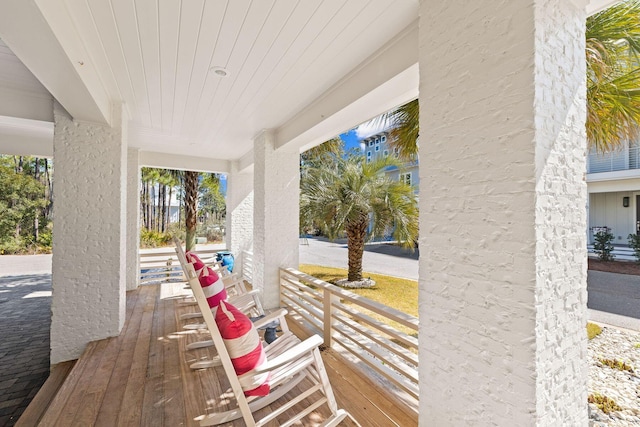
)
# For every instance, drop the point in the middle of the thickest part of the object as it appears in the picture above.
(161, 265)
(358, 325)
(623, 159)
(247, 266)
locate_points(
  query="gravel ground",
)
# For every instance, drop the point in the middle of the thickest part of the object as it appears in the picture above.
(620, 385)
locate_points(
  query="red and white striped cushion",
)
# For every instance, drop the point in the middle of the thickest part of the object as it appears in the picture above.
(213, 287)
(244, 347)
(194, 259)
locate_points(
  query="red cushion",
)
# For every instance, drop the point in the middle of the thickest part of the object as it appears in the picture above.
(195, 260)
(244, 347)
(212, 286)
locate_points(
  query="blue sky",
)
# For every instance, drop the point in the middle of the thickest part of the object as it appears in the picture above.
(350, 139)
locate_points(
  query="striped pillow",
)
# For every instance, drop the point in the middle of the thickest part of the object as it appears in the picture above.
(194, 259)
(244, 347)
(213, 287)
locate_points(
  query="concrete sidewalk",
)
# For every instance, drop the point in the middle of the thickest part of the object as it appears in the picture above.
(18, 265)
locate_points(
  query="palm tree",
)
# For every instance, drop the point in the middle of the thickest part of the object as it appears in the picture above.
(191, 206)
(613, 84)
(613, 75)
(348, 194)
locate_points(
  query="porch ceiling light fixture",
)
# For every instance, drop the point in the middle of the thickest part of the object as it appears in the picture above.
(219, 71)
(625, 202)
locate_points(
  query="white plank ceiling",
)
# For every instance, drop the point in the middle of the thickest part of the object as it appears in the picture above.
(159, 57)
(290, 64)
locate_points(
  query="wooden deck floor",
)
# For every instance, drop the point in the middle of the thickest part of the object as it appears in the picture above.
(142, 377)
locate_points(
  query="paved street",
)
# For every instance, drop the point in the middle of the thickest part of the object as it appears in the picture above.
(614, 299)
(378, 258)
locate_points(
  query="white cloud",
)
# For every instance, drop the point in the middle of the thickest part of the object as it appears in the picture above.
(369, 128)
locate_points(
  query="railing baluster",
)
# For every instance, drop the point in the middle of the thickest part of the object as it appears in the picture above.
(328, 321)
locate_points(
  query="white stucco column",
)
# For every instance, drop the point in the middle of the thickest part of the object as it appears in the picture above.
(239, 220)
(133, 219)
(502, 203)
(276, 207)
(89, 229)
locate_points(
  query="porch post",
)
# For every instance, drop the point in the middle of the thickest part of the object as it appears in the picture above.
(239, 220)
(133, 219)
(89, 268)
(502, 201)
(276, 206)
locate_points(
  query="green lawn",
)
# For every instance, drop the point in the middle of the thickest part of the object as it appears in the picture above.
(401, 294)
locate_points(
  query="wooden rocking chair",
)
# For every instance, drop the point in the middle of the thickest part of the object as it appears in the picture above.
(290, 363)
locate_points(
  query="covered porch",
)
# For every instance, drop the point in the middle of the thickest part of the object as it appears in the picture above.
(107, 86)
(142, 376)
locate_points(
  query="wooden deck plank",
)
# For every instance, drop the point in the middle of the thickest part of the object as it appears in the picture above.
(91, 399)
(132, 403)
(114, 393)
(43, 399)
(192, 387)
(160, 389)
(72, 404)
(154, 385)
(174, 413)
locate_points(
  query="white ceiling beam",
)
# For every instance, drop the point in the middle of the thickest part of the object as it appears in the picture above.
(25, 29)
(154, 159)
(24, 137)
(385, 80)
(25, 105)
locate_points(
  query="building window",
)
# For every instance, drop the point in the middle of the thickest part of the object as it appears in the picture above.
(406, 178)
(383, 138)
(396, 152)
(368, 155)
(385, 153)
(368, 159)
(377, 140)
(377, 148)
(371, 143)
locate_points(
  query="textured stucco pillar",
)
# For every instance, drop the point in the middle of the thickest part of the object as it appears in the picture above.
(502, 202)
(89, 229)
(133, 219)
(239, 221)
(275, 219)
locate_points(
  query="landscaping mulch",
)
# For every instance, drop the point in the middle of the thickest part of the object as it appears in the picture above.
(621, 267)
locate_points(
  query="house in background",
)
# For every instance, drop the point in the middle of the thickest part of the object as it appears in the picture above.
(613, 184)
(377, 145)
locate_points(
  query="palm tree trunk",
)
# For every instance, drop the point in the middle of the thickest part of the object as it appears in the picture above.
(191, 206)
(168, 215)
(356, 233)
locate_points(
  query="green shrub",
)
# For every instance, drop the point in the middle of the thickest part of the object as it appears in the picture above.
(153, 239)
(214, 232)
(603, 246)
(634, 242)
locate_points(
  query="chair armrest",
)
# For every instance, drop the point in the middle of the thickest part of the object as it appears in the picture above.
(291, 355)
(278, 314)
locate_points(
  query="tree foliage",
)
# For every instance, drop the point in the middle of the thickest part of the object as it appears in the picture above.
(25, 204)
(613, 75)
(613, 84)
(349, 196)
